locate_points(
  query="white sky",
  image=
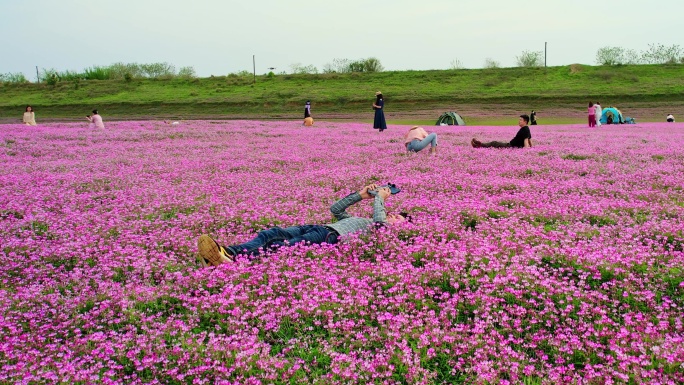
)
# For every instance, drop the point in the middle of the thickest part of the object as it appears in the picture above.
(217, 37)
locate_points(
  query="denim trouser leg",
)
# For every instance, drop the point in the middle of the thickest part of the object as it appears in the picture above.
(417, 145)
(278, 236)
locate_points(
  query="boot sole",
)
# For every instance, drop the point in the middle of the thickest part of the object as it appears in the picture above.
(209, 250)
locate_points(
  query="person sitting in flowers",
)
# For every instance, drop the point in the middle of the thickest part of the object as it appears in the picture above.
(211, 253)
(522, 139)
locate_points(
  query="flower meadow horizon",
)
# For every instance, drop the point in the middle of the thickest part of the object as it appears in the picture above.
(557, 264)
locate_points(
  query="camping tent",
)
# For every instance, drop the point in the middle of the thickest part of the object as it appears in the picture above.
(451, 119)
(613, 113)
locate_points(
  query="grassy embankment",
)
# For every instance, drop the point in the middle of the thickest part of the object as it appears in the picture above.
(482, 96)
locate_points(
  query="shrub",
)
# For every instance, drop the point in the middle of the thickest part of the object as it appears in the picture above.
(491, 63)
(660, 54)
(13, 77)
(530, 59)
(158, 70)
(610, 56)
(337, 66)
(372, 65)
(298, 68)
(361, 65)
(187, 73)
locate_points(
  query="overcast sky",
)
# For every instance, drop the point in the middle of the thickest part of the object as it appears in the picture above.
(218, 37)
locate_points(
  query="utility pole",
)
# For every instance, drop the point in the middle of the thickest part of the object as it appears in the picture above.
(37, 76)
(254, 67)
(545, 43)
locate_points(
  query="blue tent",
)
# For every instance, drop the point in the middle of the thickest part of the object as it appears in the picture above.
(613, 113)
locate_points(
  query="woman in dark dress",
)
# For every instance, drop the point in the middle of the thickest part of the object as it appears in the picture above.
(533, 118)
(379, 121)
(307, 109)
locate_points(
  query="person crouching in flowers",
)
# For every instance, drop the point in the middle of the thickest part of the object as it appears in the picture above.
(211, 253)
(417, 139)
(95, 120)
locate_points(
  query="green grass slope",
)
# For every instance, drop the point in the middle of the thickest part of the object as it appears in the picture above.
(335, 95)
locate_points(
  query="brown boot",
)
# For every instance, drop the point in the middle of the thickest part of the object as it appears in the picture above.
(211, 253)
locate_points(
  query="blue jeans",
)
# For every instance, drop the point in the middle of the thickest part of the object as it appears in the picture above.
(416, 145)
(277, 236)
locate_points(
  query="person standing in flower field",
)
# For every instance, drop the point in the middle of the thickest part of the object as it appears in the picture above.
(29, 118)
(307, 109)
(522, 139)
(591, 111)
(378, 106)
(212, 253)
(670, 118)
(95, 120)
(598, 113)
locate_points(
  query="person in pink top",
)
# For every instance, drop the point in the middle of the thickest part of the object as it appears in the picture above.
(592, 114)
(95, 120)
(417, 139)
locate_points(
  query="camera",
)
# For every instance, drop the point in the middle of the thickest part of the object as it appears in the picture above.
(393, 189)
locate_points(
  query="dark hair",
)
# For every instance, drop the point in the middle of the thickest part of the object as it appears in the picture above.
(308, 102)
(525, 117)
(27, 107)
(591, 104)
(406, 216)
(95, 111)
(378, 97)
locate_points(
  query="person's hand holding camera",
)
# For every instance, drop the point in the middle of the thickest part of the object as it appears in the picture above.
(384, 192)
(364, 192)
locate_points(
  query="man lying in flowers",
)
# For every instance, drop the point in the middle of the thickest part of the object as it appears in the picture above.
(211, 253)
(522, 139)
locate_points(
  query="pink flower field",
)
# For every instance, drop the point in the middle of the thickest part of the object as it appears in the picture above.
(558, 264)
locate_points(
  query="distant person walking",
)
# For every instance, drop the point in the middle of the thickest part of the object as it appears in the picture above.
(522, 139)
(29, 116)
(378, 106)
(533, 118)
(598, 113)
(417, 139)
(95, 120)
(670, 118)
(592, 114)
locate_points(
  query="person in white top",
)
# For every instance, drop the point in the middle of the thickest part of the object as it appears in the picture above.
(670, 118)
(29, 116)
(599, 113)
(95, 120)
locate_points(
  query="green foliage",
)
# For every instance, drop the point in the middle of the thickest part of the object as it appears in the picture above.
(347, 92)
(371, 65)
(117, 71)
(13, 77)
(574, 157)
(530, 59)
(187, 73)
(298, 68)
(655, 54)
